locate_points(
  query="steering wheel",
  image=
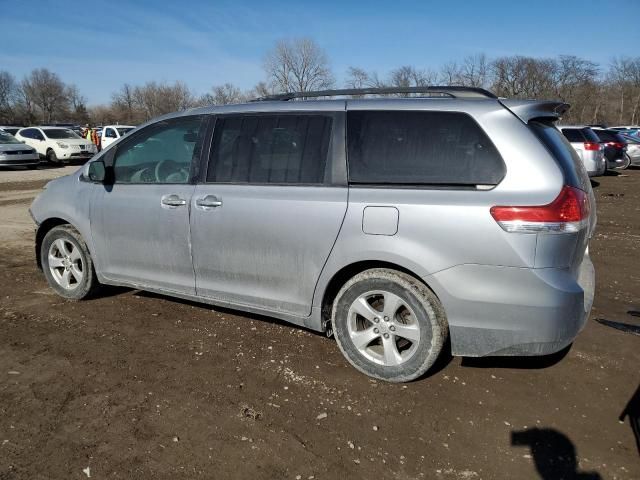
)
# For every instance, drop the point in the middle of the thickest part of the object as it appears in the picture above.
(170, 170)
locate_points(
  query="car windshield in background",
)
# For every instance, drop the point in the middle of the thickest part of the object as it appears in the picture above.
(60, 133)
(7, 138)
(123, 131)
(11, 130)
(630, 139)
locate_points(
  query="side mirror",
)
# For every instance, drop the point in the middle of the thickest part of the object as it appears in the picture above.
(97, 171)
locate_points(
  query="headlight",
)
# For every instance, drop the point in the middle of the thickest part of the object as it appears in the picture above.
(62, 145)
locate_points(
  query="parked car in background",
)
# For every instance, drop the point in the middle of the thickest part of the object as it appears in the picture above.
(10, 130)
(111, 133)
(15, 153)
(255, 207)
(633, 130)
(633, 149)
(57, 144)
(587, 144)
(615, 148)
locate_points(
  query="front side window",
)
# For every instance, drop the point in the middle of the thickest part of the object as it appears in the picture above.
(161, 153)
(263, 149)
(420, 148)
(109, 133)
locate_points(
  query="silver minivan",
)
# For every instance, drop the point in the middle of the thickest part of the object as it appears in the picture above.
(587, 144)
(396, 224)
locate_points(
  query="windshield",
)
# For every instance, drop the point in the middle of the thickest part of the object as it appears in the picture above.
(124, 131)
(7, 138)
(11, 130)
(59, 133)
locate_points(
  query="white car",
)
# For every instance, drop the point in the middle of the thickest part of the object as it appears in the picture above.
(111, 133)
(57, 144)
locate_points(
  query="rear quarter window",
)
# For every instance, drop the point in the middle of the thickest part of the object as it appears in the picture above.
(590, 135)
(567, 158)
(420, 148)
(574, 135)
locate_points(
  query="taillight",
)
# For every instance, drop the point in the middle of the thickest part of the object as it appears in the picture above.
(592, 146)
(616, 144)
(568, 213)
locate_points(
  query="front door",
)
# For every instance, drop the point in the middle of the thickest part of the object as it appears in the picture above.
(266, 218)
(140, 224)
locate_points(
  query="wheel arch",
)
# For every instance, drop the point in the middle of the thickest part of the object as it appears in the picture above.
(343, 275)
(44, 228)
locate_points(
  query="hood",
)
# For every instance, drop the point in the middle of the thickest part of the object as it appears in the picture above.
(15, 147)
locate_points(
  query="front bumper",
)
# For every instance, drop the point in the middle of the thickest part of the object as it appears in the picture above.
(73, 153)
(19, 159)
(502, 311)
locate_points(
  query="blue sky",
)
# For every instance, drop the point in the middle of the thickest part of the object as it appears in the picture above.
(101, 45)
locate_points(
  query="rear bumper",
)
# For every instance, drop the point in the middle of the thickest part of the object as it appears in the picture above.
(514, 311)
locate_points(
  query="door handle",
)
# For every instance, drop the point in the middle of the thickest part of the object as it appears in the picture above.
(172, 201)
(209, 201)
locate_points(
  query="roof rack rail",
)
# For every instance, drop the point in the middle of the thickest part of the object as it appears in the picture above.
(454, 92)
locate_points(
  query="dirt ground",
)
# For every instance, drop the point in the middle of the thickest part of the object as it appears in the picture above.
(134, 385)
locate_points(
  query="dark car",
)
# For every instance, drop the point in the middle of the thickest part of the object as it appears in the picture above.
(615, 148)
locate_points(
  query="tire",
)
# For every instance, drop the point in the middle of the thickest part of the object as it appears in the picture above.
(627, 162)
(52, 157)
(366, 337)
(64, 254)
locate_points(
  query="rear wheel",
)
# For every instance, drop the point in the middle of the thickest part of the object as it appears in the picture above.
(389, 325)
(626, 162)
(67, 264)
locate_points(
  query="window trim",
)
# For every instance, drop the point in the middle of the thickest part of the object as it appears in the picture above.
(336, 153)
(424, 185)
(195, 159)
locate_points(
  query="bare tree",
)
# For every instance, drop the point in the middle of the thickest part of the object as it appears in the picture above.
(47, 91)
(450, 74)
(474, 71)
(624, 75)
(154, 99)
(298, 65)
(8, 97)
(227, 93)
(123, 102)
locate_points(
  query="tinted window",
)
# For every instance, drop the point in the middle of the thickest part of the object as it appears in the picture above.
(589, 135)
(573, 134)
(572, 167)
(289, 149)
(609, 136)
(161, 153)
(420, 148)
(27, 133)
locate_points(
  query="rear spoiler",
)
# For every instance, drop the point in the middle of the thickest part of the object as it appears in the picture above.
(527, 110)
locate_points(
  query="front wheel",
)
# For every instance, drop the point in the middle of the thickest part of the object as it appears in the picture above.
(52, 157)
(389, 325)
(67, 264)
